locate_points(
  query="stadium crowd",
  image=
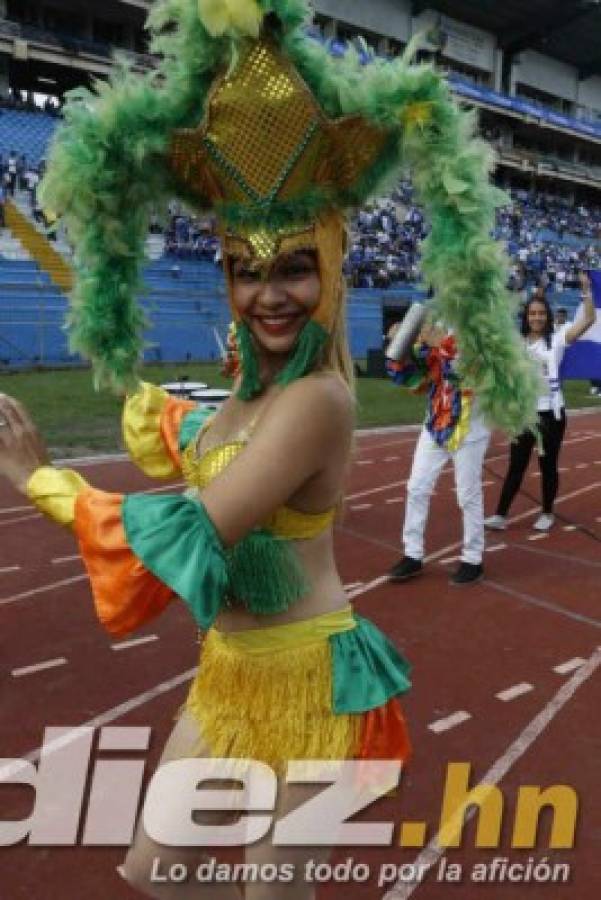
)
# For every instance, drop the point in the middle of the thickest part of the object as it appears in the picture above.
(548, 239)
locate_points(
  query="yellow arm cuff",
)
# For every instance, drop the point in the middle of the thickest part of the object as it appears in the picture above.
(54, 492)
(142, 431)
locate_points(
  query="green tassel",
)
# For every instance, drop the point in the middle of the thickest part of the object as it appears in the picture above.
(309, 346)
(251, 382)
(265, 574)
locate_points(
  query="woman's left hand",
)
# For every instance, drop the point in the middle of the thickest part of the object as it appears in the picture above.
(22, 450)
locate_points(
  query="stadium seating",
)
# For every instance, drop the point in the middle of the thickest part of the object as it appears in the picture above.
(27, 133)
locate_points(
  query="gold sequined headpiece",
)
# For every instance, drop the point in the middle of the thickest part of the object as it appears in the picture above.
(270, 163)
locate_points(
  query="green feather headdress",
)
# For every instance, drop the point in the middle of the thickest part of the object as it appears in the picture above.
(112, 161)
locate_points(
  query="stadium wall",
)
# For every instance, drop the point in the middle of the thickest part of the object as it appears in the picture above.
(546, 74)
(389, 19)
(463, 43)
(589, 95)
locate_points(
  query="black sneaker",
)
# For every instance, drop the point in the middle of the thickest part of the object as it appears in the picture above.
(407, 567)
(467, 573)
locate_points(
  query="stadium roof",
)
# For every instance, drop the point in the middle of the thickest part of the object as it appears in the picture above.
(569, 30)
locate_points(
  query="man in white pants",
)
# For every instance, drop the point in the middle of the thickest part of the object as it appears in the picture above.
(454, 431)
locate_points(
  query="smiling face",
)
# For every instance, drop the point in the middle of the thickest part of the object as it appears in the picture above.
(277, 303)
(537, 317)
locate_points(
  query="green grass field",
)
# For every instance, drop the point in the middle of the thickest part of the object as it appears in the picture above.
(75, 420)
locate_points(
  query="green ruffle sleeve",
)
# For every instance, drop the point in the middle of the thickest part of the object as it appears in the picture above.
(175, 539)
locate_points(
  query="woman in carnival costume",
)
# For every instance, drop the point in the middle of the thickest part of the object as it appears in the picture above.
(248, 116)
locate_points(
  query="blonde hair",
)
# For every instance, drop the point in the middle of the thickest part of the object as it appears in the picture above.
(337, 355)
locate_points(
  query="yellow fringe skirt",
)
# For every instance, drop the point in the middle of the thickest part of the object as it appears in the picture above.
(266, 694)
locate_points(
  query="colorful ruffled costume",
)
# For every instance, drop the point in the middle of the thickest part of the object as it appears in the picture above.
(453, 431)
(142, 551)
(249, 117)
(432, 369)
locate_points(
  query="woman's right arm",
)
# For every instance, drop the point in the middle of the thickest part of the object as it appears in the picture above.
(143, 550)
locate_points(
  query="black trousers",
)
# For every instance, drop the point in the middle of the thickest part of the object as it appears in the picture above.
(552, 431)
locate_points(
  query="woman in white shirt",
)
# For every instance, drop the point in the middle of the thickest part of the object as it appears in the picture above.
(547, 347)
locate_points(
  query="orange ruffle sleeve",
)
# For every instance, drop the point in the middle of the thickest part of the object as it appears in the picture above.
(126, 594)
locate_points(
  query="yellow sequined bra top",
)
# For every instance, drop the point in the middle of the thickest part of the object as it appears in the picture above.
(285, 522)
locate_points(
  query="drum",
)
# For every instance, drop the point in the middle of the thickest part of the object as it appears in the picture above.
(210, 398)
(183, 388)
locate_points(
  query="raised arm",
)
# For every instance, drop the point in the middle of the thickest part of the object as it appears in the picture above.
(582, 324)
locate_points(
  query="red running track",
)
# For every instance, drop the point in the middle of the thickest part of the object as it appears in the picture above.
(536, 612)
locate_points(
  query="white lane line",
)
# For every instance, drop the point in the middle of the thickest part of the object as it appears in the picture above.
(397, 484)
(449, 722)
(365, 462)
(581, 466)
(598, 462)
(395, 500)
(388, 431)
(537, 537)
(125, 645)
(361, 433)
(571, 527)
(563, 469)
(14, 767)
(361, 506)
(370, 586)
(21, 519)
(353, 586)
(102, 460)
(378, 490)
(449, 560)
(488, 483)
(495, 547)
(14, 509)
(391, 458)
(39, 667)
(516, 691)
(569, 666)
(4, 601)
(432, 853)
(7, 569)
(534, 474)
(164, 487)
(598, 519)
(543, 604)
(66, 559)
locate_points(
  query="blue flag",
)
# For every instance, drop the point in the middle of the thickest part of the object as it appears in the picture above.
(583, 358)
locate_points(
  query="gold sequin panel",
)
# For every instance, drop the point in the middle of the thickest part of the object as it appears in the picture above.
(200, 471)
(285, 522)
